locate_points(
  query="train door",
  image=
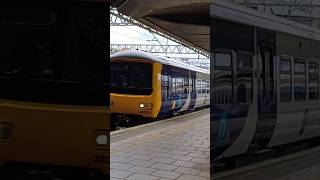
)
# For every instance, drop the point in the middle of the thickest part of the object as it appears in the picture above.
(266, 90)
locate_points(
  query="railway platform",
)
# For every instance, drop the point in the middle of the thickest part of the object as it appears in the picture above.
(176, 148)
(303, 165)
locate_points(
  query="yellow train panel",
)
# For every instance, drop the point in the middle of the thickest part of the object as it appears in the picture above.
(54, 135)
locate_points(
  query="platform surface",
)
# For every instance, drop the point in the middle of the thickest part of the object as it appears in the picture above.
(177, 148)
(303, 165)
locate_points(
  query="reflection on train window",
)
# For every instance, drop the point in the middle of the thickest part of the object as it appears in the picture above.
(285, 81)
(313, 81)
(174, 85)
(244, 77)
(223, 60)
(131, 77)
(299, 67)
(26, 42)
(82, 42)
(223, 86)
(165, 90)
(244, 61)
(179, 85)
(285, 66)
(186, 85)
(299, 81)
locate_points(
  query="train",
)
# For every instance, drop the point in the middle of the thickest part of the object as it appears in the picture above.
(54, 105)
(148, 86)
(265, 83)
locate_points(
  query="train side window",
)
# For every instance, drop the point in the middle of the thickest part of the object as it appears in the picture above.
(173, 85)
(223, 59)
(299, 81)
(313, 81)
(186, 85)
(285, 80)
(223, 79)
(199, 86)
(165, 90)
(179, 85)
(244, 77)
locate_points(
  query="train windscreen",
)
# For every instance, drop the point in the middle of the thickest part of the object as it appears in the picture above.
(131, 78)
(56, 55)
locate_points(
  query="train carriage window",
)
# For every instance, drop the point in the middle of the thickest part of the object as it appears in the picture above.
(223, 59)
(223, 79)
(199, 86)
(165, 90)
(299, 81)
(179, 85)
(173, 85)
(186, 85)
(313, 81)
(285, 80)
(244, 77)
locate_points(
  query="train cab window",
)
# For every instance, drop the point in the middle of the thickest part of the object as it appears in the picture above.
(223, 79)
(131, 78)
(299, 81)
(313, 81)
(28, 32)
(285, 80)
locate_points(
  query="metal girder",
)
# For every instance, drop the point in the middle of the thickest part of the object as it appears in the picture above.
(115, 17)
(302, 11)
(169, 49)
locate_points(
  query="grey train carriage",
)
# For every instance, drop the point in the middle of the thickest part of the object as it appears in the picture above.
(265, 81)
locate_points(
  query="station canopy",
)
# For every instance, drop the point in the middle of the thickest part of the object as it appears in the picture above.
(185, 20)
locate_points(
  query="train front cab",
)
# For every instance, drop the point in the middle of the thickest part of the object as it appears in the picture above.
(53, 97)
(135, 89)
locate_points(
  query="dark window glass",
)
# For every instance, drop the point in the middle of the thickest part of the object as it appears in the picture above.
(186, 85)
(285, 66)
(165, 90)
(244, 77)
(285, 81)
(299, 81)
(37, 44)
(223, 86)
(223, 60)
(313, 81)
(244, 61)
(299, 67)
(131, 78)
(180, 86)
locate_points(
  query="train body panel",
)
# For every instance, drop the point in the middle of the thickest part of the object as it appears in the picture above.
(74, 145)
(265, 78)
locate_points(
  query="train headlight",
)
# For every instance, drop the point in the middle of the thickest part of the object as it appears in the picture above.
(101, 138)
(144, 105)
(5, 132)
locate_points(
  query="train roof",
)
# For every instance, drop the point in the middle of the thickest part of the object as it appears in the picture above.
(244, 15)
(157, 58)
